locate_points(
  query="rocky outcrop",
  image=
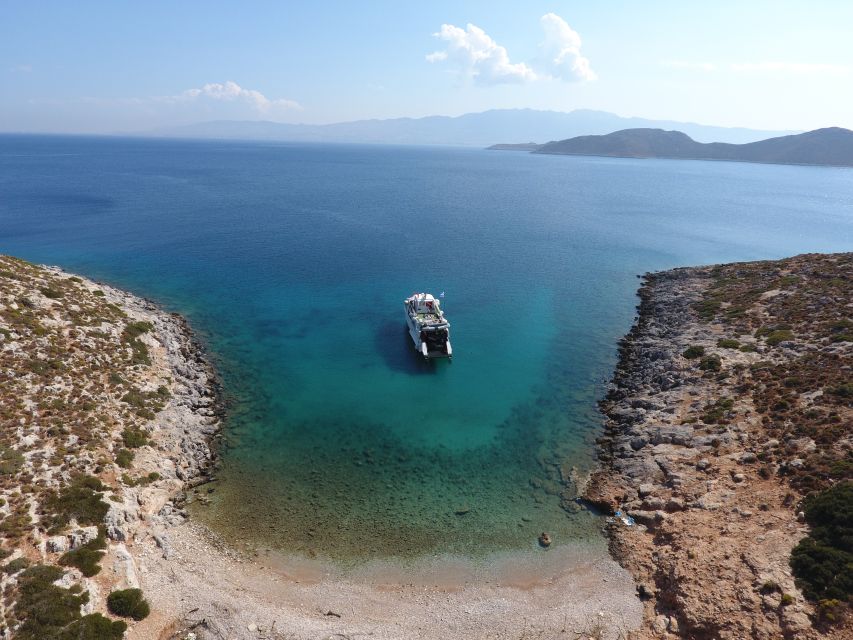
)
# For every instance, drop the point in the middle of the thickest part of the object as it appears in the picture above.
(103, 386)
(707, 513)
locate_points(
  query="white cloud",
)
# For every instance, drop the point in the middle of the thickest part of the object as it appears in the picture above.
(21, 68)
(232, 92)
(478, 56)
(561, 51)
(806, 68)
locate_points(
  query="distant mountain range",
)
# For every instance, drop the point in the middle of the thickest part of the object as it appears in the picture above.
(831, 146)
(472, 129)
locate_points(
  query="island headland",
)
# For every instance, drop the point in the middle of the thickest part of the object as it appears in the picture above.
(832, 146)
(727, 434)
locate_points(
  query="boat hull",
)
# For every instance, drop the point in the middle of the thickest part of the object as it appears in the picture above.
(431, 339)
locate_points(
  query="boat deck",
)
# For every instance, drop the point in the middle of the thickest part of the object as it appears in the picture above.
(429, 318)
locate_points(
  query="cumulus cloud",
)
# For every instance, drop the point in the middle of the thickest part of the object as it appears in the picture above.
(479, 57)
(232, 92)
(561, 51)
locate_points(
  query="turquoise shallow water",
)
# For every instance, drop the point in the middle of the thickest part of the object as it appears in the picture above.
(292, 261)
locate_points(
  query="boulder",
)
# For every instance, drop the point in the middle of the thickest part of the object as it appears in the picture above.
(83, 536)
(57, 544)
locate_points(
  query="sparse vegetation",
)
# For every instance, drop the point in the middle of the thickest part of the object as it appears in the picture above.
(711, 363)
(67, 354)
(87, 557)
(49, 612)
(130, 336)
(128, 603)
(50, 292)
(11, 461)
(80, 500)
(718, 411)
(822, 561)
(124, 458)
(15, 565)
(694, 351)
(134, 438)
(728, 343)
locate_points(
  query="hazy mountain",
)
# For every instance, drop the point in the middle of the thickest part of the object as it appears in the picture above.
(474, 129)
(831, 146)
(519, 146)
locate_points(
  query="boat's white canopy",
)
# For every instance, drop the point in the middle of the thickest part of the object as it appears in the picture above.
(424, 303)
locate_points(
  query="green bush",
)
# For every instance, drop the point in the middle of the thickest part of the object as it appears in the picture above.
(13, 566)
(822, 561)
(94, 627)
(128, 603)
(136, 329)
(711, 363)
(728, 343)
(80, 500)
(11, 461)
(43, 608)
(844, 390)
(780, 335)
(48, 612)
(124, 458)
(708, 308)
(830, 611)
(694, 351)
(716, 412)
(134, 438)
(130, 336)
(87, 557)
(49, 292)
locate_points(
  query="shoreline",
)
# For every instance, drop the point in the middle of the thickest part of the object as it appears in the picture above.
(686, 453)
(239, 594)
(197, 584)
(693, 451)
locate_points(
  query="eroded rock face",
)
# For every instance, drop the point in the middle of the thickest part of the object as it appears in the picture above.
(693, 449)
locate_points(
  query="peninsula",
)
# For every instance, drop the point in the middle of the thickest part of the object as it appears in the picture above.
(728, 449)
(830, 147)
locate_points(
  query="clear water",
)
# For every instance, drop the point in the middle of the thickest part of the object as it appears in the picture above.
(293, 261)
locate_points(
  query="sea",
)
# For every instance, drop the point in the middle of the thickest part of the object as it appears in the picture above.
(292, 261)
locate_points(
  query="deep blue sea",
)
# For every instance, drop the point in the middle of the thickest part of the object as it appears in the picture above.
(292, 262)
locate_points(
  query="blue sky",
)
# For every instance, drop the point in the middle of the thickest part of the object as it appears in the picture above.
(121, 66)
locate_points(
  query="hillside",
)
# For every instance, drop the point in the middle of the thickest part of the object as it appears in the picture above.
(521, 146)
(470, 129)
(727, 449)
(105, 412)
(831, 146)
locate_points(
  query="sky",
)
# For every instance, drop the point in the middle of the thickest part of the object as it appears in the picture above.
(113, 66)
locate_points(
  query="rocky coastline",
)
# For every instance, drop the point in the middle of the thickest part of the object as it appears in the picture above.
(715, 431)
(110, 412)
(110, 417)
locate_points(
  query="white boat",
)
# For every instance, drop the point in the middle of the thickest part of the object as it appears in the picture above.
(429, 329)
